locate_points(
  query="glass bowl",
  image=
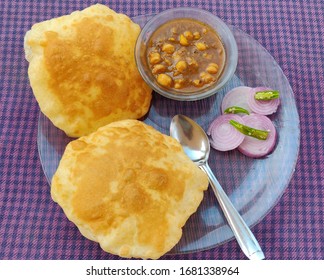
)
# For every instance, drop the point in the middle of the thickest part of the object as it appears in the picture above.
(222, 30)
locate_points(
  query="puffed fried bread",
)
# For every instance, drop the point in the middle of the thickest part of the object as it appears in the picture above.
(82, 70)
(128, 187)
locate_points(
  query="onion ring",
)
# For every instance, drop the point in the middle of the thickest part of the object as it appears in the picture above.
(237, 97)
(223, 136)
(253, 147)
(262, 107)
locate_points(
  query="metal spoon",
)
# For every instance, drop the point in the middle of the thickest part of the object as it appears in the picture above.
(196, 145)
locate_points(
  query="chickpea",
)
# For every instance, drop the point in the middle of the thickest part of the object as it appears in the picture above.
(176, 56)
(206, 77)
(193, 64)
(196, 35)
(179, 53)
(178, 83)
(201, 46)
(183, 40)
(158, 68)
(212, 68)
(168, 48)
(207, 56)
(154, 58)
(213, 64)
(164, 80)
(197, 83)
(188, 35)
(181, 66)
(168, 61)
(176, 73)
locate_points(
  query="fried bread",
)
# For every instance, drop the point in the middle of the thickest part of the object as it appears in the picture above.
(128, 187)
(82, 69)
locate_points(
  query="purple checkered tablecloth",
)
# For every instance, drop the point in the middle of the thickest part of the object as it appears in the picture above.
(32, 226)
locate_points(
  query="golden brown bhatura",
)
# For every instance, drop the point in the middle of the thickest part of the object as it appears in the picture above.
(82, 70)
(128, 187)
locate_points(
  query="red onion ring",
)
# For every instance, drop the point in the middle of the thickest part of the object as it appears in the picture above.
(262, 107)
(237, 97)
(253, 147)
(223, 136)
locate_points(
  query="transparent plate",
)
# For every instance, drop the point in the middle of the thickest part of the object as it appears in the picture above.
(253, 185)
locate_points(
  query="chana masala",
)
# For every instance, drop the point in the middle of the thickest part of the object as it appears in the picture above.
(185, 54)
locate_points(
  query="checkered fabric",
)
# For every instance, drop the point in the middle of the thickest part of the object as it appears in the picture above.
(32, 226)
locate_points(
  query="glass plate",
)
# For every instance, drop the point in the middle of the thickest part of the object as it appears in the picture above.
(253, 185)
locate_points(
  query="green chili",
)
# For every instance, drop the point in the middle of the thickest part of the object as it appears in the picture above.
(236, 110)
(249, 131)
(267, 95)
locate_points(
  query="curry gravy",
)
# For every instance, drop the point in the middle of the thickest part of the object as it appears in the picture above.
(185, 54)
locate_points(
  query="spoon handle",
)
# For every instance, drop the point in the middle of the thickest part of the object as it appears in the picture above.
(243, 234)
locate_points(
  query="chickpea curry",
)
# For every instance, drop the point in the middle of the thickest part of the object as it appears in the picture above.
(186, 55)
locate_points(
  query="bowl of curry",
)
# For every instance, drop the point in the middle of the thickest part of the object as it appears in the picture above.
(186, 54)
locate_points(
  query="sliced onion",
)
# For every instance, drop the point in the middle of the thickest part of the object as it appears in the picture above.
(262, 107)
(237, 97)
(253, 147)
(223, 136)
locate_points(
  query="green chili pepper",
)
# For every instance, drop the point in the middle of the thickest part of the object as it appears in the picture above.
(266, 95)
(249, 131)
(236, 110)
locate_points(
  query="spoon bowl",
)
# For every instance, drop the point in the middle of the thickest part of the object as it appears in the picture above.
(192, 138)
(196, 145)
